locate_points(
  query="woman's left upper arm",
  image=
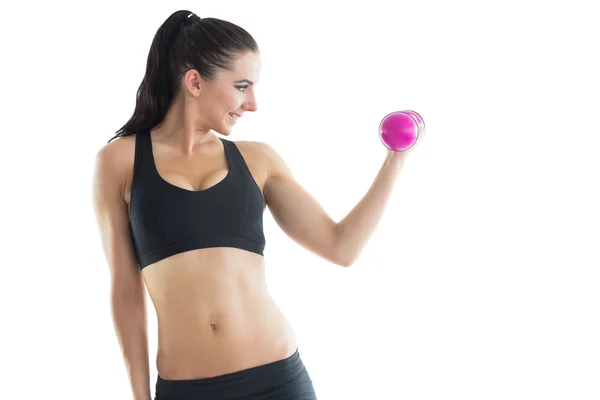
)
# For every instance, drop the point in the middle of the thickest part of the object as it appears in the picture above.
(296, 211)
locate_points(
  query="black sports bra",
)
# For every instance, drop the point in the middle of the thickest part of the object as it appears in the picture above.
(166, 219)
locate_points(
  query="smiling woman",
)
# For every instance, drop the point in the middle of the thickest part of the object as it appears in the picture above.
(180, 210)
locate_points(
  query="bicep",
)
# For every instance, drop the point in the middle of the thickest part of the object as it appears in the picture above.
(113, 225)
(296, 211)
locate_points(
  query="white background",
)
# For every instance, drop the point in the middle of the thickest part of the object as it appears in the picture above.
(480, 282)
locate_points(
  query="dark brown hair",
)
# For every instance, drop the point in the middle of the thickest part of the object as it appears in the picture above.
(183, 42)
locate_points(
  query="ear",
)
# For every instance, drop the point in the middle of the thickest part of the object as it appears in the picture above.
(193, 82)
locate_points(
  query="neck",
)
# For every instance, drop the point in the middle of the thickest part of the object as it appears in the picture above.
(184, 130)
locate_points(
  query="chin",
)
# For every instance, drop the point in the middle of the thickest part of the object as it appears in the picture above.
(225, 131)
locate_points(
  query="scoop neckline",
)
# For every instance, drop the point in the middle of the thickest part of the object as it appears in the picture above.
(167, 183)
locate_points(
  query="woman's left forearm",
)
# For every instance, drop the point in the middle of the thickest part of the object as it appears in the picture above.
(355, 229)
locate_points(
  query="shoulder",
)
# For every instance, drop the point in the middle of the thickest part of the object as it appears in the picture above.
(117, 147)
(114, 161)
(270, 159)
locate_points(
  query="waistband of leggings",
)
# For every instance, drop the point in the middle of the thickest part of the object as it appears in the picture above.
(247, 381)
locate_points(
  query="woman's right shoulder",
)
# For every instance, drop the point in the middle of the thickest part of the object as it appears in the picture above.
(114, 162)
(118, 149)
(110, 174)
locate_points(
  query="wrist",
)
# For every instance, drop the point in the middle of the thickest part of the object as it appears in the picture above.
(395, 157)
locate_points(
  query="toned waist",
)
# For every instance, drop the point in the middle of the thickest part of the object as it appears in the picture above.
(209, 342)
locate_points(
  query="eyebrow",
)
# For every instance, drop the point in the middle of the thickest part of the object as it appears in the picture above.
(245, 80)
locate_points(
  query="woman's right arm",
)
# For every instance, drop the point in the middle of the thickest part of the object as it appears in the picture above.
(127, 291)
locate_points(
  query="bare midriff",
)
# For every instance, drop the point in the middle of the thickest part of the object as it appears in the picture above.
(215, 314)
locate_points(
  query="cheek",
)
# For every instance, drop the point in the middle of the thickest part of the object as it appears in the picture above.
(236, 96)
(224, 102)
(228, 102)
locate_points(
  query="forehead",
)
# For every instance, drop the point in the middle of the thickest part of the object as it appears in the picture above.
(246, 66)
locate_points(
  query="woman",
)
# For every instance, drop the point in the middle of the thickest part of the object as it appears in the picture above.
(180, 210)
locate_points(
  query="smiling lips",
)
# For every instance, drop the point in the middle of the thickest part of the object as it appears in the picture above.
(234, 116)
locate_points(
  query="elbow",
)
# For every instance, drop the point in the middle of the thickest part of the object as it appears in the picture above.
(343, 256)
(128, 309)
(345, 259)
(346, 263)
(127, 296)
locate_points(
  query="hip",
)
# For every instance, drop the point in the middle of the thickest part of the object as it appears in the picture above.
(285, 378)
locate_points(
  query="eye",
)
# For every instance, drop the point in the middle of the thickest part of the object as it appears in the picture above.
(242, 88)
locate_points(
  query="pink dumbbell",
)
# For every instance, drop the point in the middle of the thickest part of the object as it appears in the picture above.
(399, 130)
(418, 118)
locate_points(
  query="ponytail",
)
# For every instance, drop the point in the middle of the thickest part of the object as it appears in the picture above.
(182, 42)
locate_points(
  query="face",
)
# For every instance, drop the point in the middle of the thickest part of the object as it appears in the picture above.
(223, 101)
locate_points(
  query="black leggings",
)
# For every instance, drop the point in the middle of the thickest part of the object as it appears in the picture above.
(286, 379)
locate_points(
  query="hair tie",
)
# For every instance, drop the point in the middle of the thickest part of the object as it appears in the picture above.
(188, 21)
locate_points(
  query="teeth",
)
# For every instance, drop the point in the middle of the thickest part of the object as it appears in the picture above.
(233, 116)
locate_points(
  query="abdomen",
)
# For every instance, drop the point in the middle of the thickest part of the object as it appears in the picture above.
(215, 314)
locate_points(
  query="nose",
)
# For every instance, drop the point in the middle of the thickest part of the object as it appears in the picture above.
(250, 104)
